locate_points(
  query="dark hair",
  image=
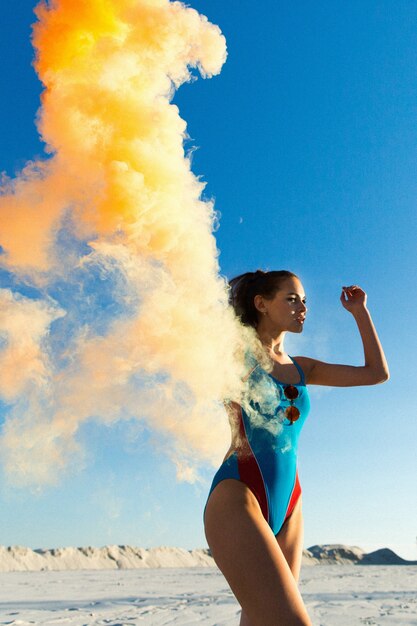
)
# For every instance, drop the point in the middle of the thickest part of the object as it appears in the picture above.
(245, 287)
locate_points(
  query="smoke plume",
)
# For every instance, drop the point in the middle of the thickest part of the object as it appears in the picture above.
(117, 309)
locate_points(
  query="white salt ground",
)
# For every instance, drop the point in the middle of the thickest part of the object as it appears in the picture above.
(335, 596)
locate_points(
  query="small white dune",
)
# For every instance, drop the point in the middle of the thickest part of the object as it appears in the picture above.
(19, 558)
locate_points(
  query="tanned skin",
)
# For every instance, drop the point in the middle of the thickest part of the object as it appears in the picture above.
(263, 569)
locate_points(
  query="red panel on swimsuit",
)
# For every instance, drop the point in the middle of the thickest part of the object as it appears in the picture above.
(249, 470)
(296, 493)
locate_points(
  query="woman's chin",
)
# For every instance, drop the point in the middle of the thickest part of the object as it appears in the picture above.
(297, 327)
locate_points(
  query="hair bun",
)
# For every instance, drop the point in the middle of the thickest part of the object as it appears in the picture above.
(252, 276)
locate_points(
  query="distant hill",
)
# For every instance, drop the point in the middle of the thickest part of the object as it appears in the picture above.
(332, 554)
(385, 556)
(339, 554)
(18, 558)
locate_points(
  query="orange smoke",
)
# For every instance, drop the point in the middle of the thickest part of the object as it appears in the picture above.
(116, 198)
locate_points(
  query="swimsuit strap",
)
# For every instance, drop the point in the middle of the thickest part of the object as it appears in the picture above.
(300, 371)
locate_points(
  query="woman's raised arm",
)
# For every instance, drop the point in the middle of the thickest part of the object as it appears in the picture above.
(374, 371)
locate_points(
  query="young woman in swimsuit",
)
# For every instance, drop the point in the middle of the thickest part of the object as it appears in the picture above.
(253, 519)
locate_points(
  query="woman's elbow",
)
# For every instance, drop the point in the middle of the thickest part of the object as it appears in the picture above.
(375, 375)
(382, 377)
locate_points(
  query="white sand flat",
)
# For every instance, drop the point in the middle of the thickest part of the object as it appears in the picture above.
(335, 596)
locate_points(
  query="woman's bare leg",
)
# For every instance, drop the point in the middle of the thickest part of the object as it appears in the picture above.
(290, 540)
(244, 620)
(248, 554)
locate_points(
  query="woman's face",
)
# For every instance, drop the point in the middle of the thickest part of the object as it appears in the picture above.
(286, 311)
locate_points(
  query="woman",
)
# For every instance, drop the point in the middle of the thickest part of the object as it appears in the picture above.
(253, 519)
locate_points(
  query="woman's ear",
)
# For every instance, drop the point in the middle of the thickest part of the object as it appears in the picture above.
(259, 303)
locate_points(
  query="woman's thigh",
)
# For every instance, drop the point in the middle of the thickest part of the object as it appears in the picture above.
(290, 539)
(247, 552)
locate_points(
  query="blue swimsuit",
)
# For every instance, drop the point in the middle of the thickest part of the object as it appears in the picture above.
(266, 457)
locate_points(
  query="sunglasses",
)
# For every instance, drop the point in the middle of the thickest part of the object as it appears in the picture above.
(291, 412)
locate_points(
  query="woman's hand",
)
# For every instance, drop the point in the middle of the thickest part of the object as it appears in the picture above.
(353, 298)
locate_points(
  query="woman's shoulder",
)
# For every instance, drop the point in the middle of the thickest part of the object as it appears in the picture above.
(306, 364)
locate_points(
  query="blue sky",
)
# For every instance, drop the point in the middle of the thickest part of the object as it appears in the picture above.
(308, 143)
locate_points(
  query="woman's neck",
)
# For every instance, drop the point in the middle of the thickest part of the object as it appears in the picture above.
(274, 344)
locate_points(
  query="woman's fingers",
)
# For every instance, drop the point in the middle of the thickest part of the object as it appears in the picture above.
(352, 290)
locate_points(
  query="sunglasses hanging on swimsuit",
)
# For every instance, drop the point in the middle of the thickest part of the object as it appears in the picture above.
(291, 412)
